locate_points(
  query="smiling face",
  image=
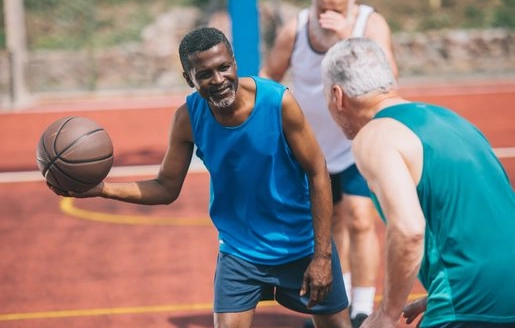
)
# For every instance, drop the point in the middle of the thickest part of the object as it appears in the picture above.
(213, 73)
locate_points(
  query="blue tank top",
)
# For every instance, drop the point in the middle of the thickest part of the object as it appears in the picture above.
(469, 206)
(259, 197)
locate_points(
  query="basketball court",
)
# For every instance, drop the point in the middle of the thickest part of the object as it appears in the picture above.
(100, 263)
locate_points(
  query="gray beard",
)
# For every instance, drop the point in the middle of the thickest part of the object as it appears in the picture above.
(223, 103)
(321, 39)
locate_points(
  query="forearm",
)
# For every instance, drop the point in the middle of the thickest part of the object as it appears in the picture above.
(322, 208)
(147, 192)
(403, 257)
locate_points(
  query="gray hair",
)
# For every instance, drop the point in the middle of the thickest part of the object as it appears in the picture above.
(359, 66)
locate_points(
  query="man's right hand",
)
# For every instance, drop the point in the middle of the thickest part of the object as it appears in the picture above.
(413, 309)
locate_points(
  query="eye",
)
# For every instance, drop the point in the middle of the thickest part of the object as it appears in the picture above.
(202, 75)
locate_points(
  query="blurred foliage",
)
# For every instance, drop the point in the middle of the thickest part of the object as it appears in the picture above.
(2, 24)
(418, 16)
(505, 16)
(74, 24)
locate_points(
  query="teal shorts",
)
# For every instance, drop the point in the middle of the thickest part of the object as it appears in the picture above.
(350, 182)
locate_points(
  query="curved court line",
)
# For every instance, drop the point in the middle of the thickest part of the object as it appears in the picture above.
(134, 310)
(67, 206)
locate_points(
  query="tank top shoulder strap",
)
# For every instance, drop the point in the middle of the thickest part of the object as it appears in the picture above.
(361, 22)
(302, 19)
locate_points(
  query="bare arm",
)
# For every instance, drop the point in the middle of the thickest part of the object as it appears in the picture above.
(318, 277)
(165, 188)
(389, 157)
(278, 60)
(379, 31)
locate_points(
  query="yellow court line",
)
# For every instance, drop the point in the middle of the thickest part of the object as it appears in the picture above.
(67, 206)
(132, 310)
(112, 311)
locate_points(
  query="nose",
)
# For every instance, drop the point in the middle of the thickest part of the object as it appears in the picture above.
(218, 78)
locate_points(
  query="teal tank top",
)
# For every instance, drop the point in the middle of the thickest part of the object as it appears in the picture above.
(259, 197)
(469, 206)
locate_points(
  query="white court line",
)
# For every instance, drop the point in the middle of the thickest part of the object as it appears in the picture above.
(195, 167)
(507, 152)
(117, 171)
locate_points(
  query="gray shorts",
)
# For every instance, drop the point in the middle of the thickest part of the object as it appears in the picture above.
(240, 285)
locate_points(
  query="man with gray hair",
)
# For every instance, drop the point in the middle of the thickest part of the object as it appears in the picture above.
(434, 179)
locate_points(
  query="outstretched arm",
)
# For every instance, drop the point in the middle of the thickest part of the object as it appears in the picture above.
(163, 189)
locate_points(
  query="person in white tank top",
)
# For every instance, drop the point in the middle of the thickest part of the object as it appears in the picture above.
(299, 49)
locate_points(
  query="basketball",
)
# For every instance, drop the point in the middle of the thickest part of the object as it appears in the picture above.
(74, 154)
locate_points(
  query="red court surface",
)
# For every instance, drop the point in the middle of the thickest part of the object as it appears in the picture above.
(100, 263)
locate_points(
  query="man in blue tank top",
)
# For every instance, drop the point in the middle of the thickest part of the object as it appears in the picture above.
(270, 190)
(447, 201)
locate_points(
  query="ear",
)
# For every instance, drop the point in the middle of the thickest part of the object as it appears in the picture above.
(339, 97)
(188, 80)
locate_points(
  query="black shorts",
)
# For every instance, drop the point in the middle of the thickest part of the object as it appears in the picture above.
(240, 285)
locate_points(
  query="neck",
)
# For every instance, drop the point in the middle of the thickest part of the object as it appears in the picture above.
(375, 102)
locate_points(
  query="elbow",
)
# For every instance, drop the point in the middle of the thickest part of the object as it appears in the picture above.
(166, 193)
(412, 234)
(168, 198)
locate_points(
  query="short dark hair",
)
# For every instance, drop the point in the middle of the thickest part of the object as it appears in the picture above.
(201, 39)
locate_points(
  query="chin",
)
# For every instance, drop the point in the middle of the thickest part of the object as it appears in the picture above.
(223, 103)
(349, 134)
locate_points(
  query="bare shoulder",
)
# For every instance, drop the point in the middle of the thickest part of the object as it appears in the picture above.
(181, 124)
(278, 59)
(370, 137)
(288, 31)
(291, 111)
(377, 27)
(383, 132)
(181, 113)
(377, 19)
(380, 139)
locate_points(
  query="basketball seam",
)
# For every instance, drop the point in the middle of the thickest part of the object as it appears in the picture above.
(58, 155)
(70, 177)
(54, 146)
(52, 156)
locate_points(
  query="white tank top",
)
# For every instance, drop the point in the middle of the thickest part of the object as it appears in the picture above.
(308, 89)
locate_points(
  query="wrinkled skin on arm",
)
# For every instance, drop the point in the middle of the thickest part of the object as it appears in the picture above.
(389, 155)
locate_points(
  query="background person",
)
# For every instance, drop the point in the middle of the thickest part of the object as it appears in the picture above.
(300, 47)
(270, 192)
(447, 200)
